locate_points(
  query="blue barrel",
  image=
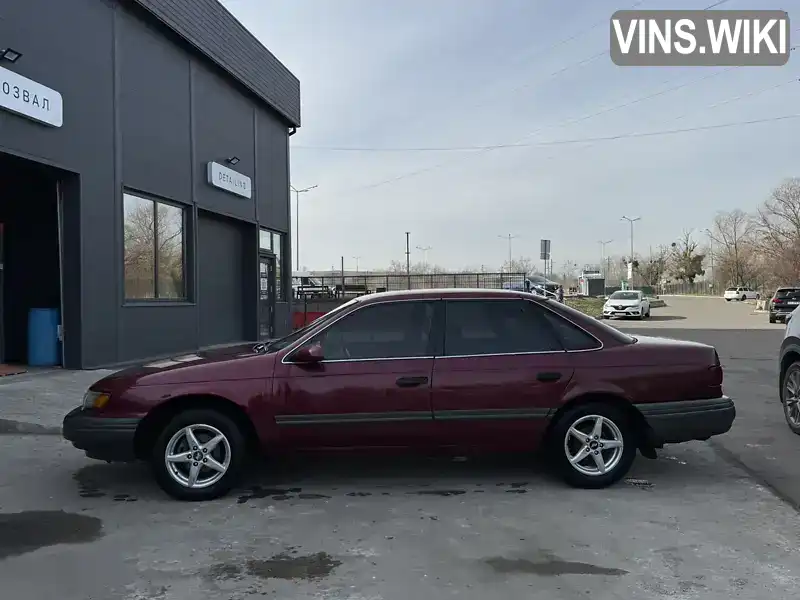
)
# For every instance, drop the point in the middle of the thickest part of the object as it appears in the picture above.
(43, 337)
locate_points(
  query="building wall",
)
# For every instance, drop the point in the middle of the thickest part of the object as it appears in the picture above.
(145, 113)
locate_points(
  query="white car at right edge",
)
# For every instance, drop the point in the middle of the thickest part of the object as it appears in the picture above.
(741, 293)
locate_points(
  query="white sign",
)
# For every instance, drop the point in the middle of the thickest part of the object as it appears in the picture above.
(29, 99)
(229, 180)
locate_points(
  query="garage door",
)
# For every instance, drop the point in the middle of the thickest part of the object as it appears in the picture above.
(220, 251)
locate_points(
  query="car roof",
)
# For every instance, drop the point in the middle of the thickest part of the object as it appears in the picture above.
(454, 293)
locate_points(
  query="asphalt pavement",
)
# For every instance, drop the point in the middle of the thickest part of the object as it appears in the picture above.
(712, 520)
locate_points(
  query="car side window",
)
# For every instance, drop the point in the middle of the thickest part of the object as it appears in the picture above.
(480, 327)
(572, 337)
(386, 330)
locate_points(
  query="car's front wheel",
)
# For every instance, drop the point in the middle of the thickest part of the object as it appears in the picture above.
(790, 396)
(199, 455)
(593, 445)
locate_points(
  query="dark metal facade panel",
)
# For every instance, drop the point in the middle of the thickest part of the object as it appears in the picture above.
(208, 26)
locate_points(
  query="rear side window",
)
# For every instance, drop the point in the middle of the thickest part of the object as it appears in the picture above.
(483, 327)
(572, 337)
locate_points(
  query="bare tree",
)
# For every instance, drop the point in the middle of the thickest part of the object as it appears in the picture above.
(778, 225)
(653, 268)
(522, 264)
(687, 262)
(734, 236)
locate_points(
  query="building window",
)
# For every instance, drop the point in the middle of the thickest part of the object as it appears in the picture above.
(154, 250)
(272, 241)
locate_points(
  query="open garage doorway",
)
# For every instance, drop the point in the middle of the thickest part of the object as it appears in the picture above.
(30, 264)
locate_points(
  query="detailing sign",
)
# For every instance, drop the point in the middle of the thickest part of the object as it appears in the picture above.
(29, 99)
(229, 180)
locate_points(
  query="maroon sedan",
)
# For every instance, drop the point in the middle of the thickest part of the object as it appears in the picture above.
(454, 369)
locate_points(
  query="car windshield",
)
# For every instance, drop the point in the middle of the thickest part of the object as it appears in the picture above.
(793, 293)
(284, 342)
(624, 296)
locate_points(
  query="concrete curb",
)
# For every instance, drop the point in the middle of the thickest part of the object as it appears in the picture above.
(9, 427)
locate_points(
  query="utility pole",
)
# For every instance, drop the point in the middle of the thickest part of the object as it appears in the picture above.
(408, 259)
(603, 245)
(631, 220)
(508, 237)
(356, 258)
(297, 219)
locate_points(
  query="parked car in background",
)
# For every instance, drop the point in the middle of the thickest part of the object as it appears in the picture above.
(311, 288)
(741, 293)
(783, 302)
(627, 303)
(789, 372)
(454, 369)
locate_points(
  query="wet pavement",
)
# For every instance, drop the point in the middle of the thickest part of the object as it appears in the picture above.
(687, 525)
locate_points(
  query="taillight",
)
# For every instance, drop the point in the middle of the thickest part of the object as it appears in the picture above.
(716, 375)
(777, 301)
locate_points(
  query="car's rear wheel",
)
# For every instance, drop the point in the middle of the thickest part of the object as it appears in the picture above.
(199, 455)
(772, 319)
(743, 298)
(593, 445)
(790, 396)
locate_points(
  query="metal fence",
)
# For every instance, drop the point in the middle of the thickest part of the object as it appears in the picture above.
(698, 288)
(338, 286)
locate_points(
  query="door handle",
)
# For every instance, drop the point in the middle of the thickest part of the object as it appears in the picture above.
(407, 382)
(547, 377)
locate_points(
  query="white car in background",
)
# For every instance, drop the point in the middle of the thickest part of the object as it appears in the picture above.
(741, 293)
(627, 303)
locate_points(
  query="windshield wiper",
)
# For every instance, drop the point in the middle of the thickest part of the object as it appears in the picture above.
(261, 347)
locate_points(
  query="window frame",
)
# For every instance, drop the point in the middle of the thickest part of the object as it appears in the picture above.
(531, 303)
(436, 333)
(185, 236)
(281, 294)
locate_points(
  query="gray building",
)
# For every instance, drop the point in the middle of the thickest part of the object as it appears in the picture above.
(144, 178)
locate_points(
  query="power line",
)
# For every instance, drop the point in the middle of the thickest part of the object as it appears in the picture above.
(522, 144)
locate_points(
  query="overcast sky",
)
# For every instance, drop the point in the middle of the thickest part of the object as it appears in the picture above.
(455, 73)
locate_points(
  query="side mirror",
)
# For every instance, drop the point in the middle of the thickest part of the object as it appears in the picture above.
(308, 355)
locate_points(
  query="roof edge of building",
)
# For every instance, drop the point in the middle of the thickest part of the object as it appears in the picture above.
(210, 27)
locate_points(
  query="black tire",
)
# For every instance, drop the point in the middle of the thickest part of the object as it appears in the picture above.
(743, 298)
(758, 296)
(794, 369)
(238, 450)
(558, 453)
(772, 319)
(727, 299)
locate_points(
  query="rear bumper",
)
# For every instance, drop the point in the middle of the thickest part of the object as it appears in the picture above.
(675, 422)
(103, 438)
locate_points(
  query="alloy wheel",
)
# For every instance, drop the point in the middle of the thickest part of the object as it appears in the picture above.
(197, 456)
(791, 397)
(594, 445)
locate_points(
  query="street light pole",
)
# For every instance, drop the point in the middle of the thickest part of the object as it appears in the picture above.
(603, 245)
(356, 259)
(297, 219)
(408, 259)
(711, 252)
(424, 250)
(508, 237)
(631, 220)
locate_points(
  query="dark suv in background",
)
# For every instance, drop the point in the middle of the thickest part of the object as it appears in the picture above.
(783, 302)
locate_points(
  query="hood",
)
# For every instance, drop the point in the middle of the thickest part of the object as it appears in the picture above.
(239, 362)
(622, 302)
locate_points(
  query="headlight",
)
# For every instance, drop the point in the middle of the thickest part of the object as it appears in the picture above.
(93, 399)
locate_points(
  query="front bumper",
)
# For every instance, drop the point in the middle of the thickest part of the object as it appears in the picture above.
(103, 438)
(675, 422)
(635, 311)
